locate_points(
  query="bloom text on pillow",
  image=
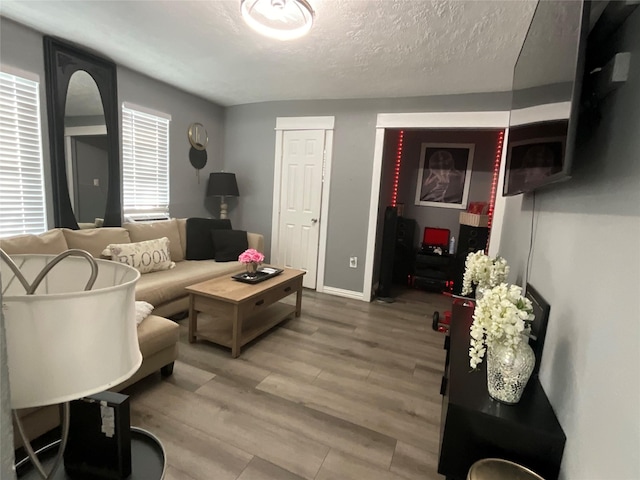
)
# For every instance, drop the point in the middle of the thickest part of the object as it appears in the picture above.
(147, 256)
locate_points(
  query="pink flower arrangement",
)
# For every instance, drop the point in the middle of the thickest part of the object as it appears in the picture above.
(251, 256)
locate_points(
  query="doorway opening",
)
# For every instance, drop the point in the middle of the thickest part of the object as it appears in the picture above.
(470, 137)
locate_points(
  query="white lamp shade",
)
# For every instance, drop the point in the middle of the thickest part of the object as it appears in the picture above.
(64, 343)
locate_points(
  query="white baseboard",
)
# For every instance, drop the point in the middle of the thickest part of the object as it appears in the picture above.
(340, 292)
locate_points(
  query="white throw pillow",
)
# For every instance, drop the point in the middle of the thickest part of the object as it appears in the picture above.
(143, 310)
(147, 256)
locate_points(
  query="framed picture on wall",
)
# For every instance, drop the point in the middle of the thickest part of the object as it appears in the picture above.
(444, 174)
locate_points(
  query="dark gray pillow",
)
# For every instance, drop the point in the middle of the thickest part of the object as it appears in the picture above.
(199, 241)
(229, 244)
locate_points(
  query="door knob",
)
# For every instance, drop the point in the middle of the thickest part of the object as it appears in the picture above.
(314, 220)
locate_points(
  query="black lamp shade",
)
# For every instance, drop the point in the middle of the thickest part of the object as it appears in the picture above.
(222, 184)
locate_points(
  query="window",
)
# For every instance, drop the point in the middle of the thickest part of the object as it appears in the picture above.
(145, 163)
(22, 203)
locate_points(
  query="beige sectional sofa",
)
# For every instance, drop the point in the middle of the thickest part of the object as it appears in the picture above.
(165, 290)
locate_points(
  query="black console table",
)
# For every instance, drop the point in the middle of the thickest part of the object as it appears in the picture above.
(474, 426)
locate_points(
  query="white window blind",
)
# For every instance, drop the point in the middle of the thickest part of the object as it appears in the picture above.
(145, 163)
(22, 200)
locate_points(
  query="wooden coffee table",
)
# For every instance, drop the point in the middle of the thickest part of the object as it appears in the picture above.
(240, 311)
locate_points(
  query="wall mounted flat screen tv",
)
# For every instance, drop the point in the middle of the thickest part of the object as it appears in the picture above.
(547, 80)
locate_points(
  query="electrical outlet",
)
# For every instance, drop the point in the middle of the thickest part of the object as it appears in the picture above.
(353, 262)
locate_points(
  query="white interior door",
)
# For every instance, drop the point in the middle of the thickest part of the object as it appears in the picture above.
(300, 201)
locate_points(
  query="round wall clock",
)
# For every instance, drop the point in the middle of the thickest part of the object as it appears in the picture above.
(198, 137)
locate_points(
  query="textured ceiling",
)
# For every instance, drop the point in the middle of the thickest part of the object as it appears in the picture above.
(356, 49)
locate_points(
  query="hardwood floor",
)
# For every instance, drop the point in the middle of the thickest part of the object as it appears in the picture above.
(349, 390)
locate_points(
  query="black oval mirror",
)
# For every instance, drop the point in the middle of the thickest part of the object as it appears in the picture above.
(62, 63)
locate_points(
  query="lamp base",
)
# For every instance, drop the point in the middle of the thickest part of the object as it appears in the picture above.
(64, 415)
(223, 209)
(99, 437)
(148, 459)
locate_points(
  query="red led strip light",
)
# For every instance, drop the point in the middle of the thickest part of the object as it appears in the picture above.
(396, 174)
(496, 175)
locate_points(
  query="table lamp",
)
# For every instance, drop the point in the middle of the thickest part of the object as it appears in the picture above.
(70, 331)
(222, 184)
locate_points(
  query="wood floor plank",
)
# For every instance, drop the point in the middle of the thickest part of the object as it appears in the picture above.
(279, 364)
(189, 377)
(355, 351)
(416, 463)
(404, 426)
(369, 350)
(428, 372)
(405, 383)
(259, 469)
(341, 466)
(190, 449)
(355, 440)
(217, 360)
(382, 397)
(272, 442)
(297, 326)
(172, 473)
(335, 360)
(400, 343)
(348, 390)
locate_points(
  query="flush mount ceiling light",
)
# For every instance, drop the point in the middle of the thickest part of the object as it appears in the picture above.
(280, 19)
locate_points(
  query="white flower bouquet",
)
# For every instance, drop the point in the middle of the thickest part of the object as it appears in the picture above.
(483, 271)
(501, 316)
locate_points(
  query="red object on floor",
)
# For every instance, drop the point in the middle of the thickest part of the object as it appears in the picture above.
(442, 324)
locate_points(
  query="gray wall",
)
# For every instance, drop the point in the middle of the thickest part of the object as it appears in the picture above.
(250, 148)
(586, 264)
(22, 48)
(187, 196)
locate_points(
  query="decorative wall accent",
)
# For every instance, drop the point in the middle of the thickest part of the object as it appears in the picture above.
(494, 181)
(396, 173)
(444, 175)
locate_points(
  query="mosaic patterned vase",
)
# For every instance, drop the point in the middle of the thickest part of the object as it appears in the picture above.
(508, 371)
(479, 293)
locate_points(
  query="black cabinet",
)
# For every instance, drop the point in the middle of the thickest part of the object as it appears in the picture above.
(432, 271)
(474, 426)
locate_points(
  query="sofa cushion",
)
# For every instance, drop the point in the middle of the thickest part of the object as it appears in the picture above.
(229, 244)
(95, 240)
(199, 242)
(142, 231)
(256, 241)
(156, 333)
(48, 243)
(147, 256)
(158, 288)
